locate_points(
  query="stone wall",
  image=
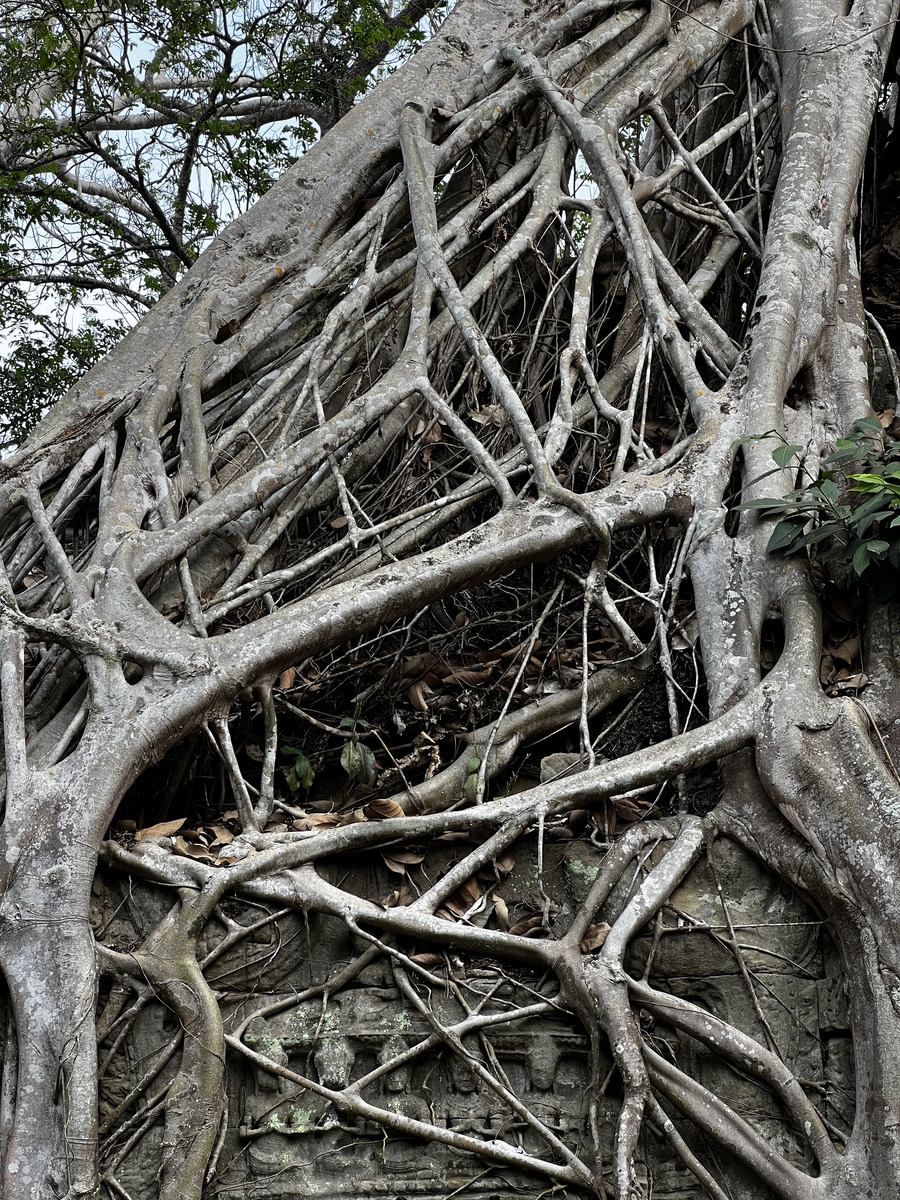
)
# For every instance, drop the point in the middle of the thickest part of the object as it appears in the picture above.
(783, 987)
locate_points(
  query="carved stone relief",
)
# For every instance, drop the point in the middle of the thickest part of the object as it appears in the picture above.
(784, 987)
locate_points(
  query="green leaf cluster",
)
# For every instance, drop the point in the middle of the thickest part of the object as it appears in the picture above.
(133, 133)
(849, 514)
(38, 369)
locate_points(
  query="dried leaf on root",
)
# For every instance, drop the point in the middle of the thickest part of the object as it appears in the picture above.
(526, 925)
(162, 829)
(594, 937)
(383, 809)
(398, 860)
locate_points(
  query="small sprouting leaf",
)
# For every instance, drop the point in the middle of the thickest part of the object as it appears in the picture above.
(300, 774)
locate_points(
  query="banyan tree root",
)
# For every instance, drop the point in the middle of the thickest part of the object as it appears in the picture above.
(515, 327)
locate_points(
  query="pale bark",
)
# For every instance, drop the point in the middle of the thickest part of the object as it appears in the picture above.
(171, 543)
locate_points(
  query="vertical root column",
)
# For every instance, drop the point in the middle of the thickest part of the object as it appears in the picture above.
(50, 969)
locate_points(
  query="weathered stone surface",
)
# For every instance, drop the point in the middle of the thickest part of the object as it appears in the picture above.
(283, 1141)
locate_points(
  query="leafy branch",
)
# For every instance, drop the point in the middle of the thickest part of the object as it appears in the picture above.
(849, 514)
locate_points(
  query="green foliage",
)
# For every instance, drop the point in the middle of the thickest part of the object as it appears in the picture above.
(300, 773)
(849, 514)
(133, 133)
(39, 369)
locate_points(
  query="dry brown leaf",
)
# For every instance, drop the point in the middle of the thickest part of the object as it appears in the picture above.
(356, 817)
(427, 960)
(505, 862)
(417, 694)
(851, 683)
(286, 679)
(594, 937)
(839, 607)
(502, 911)
(827, 669)
(631, 808)
(517, 651)
(195, 835)
(421, 664)
(847, 651)
(578, 820)
(493, 413)
(318, 821)
(464, 897)
(162, 829)
(469, 678)
(338, 522)
(399, 860)
(193, 850)
(382, 810)
(526, 924)
(221, 835)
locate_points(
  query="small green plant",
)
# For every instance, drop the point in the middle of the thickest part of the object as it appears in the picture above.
(849, 513)
(300, 773)
(356, 759)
